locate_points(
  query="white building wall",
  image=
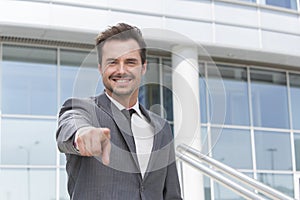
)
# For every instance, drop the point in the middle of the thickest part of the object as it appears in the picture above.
(216, 23)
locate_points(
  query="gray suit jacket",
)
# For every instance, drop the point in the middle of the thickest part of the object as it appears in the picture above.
(89, 179)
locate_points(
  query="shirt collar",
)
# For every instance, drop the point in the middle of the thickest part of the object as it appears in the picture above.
(136, 106)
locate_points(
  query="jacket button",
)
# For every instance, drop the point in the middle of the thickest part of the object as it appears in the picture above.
(142, 188)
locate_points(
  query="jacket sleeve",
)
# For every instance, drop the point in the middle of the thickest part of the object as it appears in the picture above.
(172, 190)
(74, 114)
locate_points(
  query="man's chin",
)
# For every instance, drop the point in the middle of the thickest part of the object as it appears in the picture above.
(122, 93)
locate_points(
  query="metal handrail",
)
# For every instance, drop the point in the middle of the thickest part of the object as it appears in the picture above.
(220, 178)
(183, 152)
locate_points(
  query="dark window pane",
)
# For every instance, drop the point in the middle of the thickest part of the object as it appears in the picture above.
(29, 81)
(269, 99)
(149, 94)
(233, 147)
(273, 150)
(167, 89)
(295, 99)
(28, 142)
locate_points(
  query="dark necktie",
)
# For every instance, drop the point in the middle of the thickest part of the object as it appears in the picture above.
(128, 114)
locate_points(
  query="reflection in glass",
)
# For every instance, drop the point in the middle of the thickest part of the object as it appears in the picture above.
(295, 99)
(281, 182)
(273, 150)
(216, 96)
(149, 94)
(205, 143)
(207, 188)
(297, 150)
(27, 184)
(167, 89)
(29, 80)
(62, 159)
(283, 3)
(202, 93)
(80, 76)
(233, 148)
(221, 192)
(28, 142)
(236, 88)
(63, 179)
(269, 99)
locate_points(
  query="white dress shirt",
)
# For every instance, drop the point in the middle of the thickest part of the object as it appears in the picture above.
(142, 132)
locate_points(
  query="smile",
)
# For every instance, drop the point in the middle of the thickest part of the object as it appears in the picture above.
(121, 80)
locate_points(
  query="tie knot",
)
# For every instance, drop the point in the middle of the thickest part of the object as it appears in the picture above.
(128, 113)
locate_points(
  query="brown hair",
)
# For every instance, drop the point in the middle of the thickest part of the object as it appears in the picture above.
(123, 32)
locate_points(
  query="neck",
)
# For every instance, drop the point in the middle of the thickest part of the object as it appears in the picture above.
(127, 101)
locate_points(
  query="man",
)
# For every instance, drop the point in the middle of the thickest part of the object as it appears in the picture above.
(115, 149)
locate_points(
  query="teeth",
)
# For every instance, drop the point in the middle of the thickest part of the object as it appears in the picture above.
(122, 81)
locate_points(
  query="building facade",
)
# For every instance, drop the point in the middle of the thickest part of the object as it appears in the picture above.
(224, 73)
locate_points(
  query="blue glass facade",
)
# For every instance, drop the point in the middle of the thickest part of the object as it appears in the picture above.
(261, 122)
(35, 81)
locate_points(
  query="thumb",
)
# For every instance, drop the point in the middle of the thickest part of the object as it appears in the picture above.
(105, 145)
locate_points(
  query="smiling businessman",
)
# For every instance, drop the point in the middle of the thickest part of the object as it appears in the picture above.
(115, 148)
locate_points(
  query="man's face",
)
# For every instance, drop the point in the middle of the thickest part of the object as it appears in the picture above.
(121, 68)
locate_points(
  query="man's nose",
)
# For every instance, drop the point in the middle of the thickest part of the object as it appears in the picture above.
(121, 67)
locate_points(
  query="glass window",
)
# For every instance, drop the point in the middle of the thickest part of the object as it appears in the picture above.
(62, 159)
(202, 93)
(167, 88)
(297, 150)
(236, 89)
(233, 148)
(27, 184)
(269, 99)
(149, 94)
(63, 192)
(28, 142)
(80, 76)
(216, 92)
(273, 150)
(207, 188)
(248, 0)
(292, 4)
(281, 182)
(295, 99)
(29, 80)
(205, 142)
(221, 192)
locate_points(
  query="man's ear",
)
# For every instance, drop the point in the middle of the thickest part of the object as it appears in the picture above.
(144, 68)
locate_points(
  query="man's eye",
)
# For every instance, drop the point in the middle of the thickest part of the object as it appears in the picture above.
(131, 62)
(112, 62)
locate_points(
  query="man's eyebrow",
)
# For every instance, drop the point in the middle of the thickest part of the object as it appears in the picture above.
(131, 59)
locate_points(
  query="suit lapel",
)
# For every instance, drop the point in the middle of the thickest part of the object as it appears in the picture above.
(120, 120)
(117, 116)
